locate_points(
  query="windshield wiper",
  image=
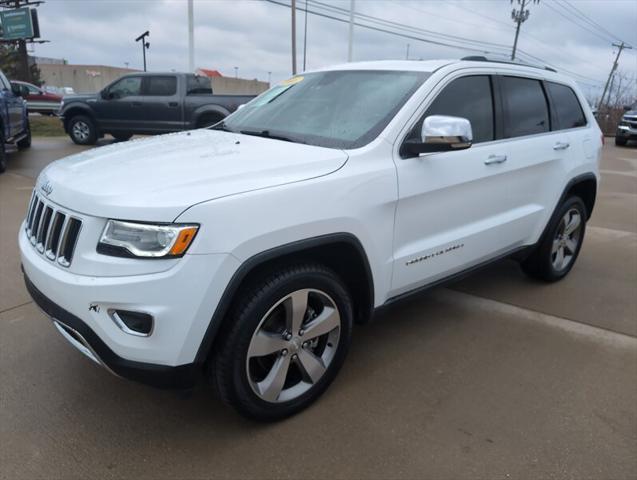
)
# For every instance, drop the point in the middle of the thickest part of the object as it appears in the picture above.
(267, 134)
(222, 126)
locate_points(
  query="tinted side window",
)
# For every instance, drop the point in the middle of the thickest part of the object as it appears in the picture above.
(466, 97)
(161, 86)
(566, 106)
(525, 108)
(196, 84)
(126, 87)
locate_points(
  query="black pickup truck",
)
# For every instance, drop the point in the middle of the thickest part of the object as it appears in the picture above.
(146, 103)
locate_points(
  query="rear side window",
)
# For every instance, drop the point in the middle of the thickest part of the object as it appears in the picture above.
(197, 85)
(470, 98)
(566, 106)
(525, 109)
(161, 86)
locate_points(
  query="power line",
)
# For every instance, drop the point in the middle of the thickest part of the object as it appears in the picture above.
(590, 21)
(574, 22)
(421, 31)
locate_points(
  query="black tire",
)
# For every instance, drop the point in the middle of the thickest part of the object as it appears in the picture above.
(26, 141)
(121, 136)
(209, 120)
(620, 141)
(3, 151)
(230, 363)
(541, 264)
(82, 130)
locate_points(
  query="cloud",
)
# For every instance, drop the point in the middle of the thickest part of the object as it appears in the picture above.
(255, 35)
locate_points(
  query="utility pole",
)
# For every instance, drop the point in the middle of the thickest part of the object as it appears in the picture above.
(351, 31)
(191, 37)
(145, 45)
(621, 46)
(293, 37)
(519, 17)
(407, 53)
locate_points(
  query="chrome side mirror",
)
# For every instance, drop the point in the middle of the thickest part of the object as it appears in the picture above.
(441, 133)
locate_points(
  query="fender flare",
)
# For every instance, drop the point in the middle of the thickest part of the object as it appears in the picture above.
(253, 262)
(86, 110)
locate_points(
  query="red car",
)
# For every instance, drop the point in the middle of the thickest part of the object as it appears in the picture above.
(39, 100)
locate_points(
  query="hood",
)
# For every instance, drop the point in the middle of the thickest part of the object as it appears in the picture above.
(630, 113)
(156, 178)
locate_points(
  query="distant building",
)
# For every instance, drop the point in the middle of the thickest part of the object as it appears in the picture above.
(208, 73)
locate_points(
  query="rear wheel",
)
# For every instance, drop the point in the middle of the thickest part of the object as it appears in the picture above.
(26, 141)
(3, 151)
(209, 120)
(558, 249)
(620, 141)
(82, 130)
(288, 338)
(121, 136)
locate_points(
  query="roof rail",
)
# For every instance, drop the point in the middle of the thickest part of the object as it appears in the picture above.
(481, 58)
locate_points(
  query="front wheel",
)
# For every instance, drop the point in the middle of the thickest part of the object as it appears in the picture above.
(287, 339)
(82, 130)
(559, 247)
(121, 136)
(3, 152)
(620, 141)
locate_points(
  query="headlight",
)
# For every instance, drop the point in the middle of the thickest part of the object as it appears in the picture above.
(127, 239)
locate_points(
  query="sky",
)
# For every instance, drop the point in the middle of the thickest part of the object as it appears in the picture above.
(255, 35)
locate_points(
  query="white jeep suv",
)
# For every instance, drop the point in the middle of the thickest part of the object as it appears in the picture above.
(244, 252)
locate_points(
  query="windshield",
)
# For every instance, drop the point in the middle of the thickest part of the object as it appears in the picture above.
(336, 109)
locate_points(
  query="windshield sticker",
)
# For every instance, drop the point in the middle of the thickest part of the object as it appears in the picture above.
(292, 81)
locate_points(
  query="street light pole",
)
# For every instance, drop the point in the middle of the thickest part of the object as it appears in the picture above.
(351, 31)
(191, 37)
(293, 37)
(145, 45)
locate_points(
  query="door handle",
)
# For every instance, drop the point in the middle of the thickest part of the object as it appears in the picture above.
(137, 104)
(173, 104)
(493, 159)
(561, 146)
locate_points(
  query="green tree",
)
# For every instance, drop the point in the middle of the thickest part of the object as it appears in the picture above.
(10, 64)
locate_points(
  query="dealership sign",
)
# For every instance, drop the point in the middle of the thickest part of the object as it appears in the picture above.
(19, 23)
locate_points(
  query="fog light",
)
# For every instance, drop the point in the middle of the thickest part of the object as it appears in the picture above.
(133, 323)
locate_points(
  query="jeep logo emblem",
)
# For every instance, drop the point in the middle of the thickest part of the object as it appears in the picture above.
(47, 188)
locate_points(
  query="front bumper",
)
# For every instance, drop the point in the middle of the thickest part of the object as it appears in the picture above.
(181, 300)
(627, 132)
(82, 337)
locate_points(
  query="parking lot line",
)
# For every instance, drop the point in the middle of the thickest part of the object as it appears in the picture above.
(597, 334)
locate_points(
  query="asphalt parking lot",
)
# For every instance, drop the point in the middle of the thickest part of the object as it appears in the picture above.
(496, 376)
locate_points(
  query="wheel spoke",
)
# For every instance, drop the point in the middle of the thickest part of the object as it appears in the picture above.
(311, 365)
(265, 343)
(571, 246)
(573, 223)
(556, 246)
(328, 320)
(296, 306)
(271, 386)
(559, 258)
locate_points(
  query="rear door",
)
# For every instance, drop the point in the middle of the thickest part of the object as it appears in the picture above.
(162, 105)
(537, 152)
(14, 105)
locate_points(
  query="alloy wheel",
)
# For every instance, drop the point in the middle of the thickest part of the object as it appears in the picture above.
(567, 239)
(293, 345)
(81, 131)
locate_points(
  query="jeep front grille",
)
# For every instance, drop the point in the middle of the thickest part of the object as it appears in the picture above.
(51, 231)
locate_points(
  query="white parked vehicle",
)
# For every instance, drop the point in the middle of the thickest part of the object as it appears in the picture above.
(251, 248)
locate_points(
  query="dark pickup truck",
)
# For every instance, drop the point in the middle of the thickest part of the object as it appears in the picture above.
(146, 103)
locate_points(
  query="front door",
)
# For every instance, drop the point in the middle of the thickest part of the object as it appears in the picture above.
(455, 207)
(119, 107)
